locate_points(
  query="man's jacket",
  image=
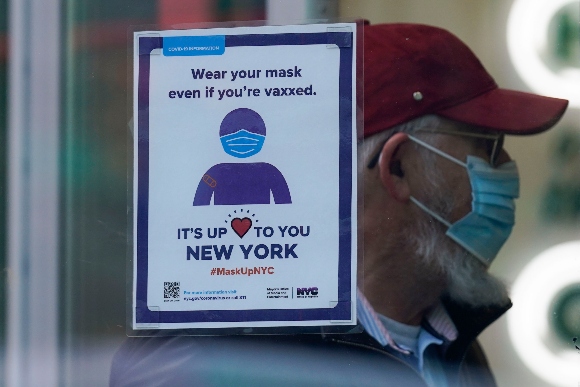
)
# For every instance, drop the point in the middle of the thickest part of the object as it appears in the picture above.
(297, 360)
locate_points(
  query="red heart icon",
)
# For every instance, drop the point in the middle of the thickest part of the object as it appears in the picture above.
(241, 226)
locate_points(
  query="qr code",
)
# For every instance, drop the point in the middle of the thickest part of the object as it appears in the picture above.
(171, 290)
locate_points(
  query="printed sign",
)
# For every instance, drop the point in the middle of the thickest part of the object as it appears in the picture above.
(245, 177)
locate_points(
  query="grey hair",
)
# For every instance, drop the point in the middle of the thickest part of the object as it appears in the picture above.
(369, 145)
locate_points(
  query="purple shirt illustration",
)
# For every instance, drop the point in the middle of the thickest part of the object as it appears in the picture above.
(242, 134)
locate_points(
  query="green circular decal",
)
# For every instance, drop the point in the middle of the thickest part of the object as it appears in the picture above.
(565, 314)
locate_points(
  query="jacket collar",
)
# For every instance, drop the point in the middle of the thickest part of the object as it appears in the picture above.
(441, 322)
(470, 322)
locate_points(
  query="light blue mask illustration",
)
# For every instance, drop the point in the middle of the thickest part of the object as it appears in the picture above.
(484, 230)
(242, 143)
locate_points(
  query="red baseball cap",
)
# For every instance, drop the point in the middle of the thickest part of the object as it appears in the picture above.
(411, 70)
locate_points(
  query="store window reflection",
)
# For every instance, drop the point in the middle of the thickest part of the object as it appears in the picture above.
(3, 121)
(93, 159)
(94, 171)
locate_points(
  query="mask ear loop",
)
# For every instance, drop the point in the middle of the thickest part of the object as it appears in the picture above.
(448, 157)
(427, 210)
(439, 152)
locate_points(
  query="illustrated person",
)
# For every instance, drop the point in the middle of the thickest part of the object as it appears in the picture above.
(242, 134)
(439, 192)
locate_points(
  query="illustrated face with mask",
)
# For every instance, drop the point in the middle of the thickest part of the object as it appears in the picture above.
(484, 230)
(242, 133)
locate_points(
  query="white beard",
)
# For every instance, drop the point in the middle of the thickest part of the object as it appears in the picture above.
(468, 281)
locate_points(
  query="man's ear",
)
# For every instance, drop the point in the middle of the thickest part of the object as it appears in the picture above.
(392, 174)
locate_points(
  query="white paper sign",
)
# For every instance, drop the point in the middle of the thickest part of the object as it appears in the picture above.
(245, 177)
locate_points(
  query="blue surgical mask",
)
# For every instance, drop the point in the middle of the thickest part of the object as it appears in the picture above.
(242, 143)
(484, 230)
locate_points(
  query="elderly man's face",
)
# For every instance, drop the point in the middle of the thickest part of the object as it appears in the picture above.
(450, 194)
(397, 232)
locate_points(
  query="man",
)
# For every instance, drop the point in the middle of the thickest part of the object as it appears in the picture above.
(438, 193)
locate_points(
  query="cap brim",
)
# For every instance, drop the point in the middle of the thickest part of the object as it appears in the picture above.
(509, 111)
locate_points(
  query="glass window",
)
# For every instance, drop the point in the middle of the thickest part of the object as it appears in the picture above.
(3, 156)
(94, 172)
(93, 136)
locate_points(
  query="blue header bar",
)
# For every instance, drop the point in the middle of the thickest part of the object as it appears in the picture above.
(194, 45)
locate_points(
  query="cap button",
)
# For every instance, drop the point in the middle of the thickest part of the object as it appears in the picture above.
(418, 96)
